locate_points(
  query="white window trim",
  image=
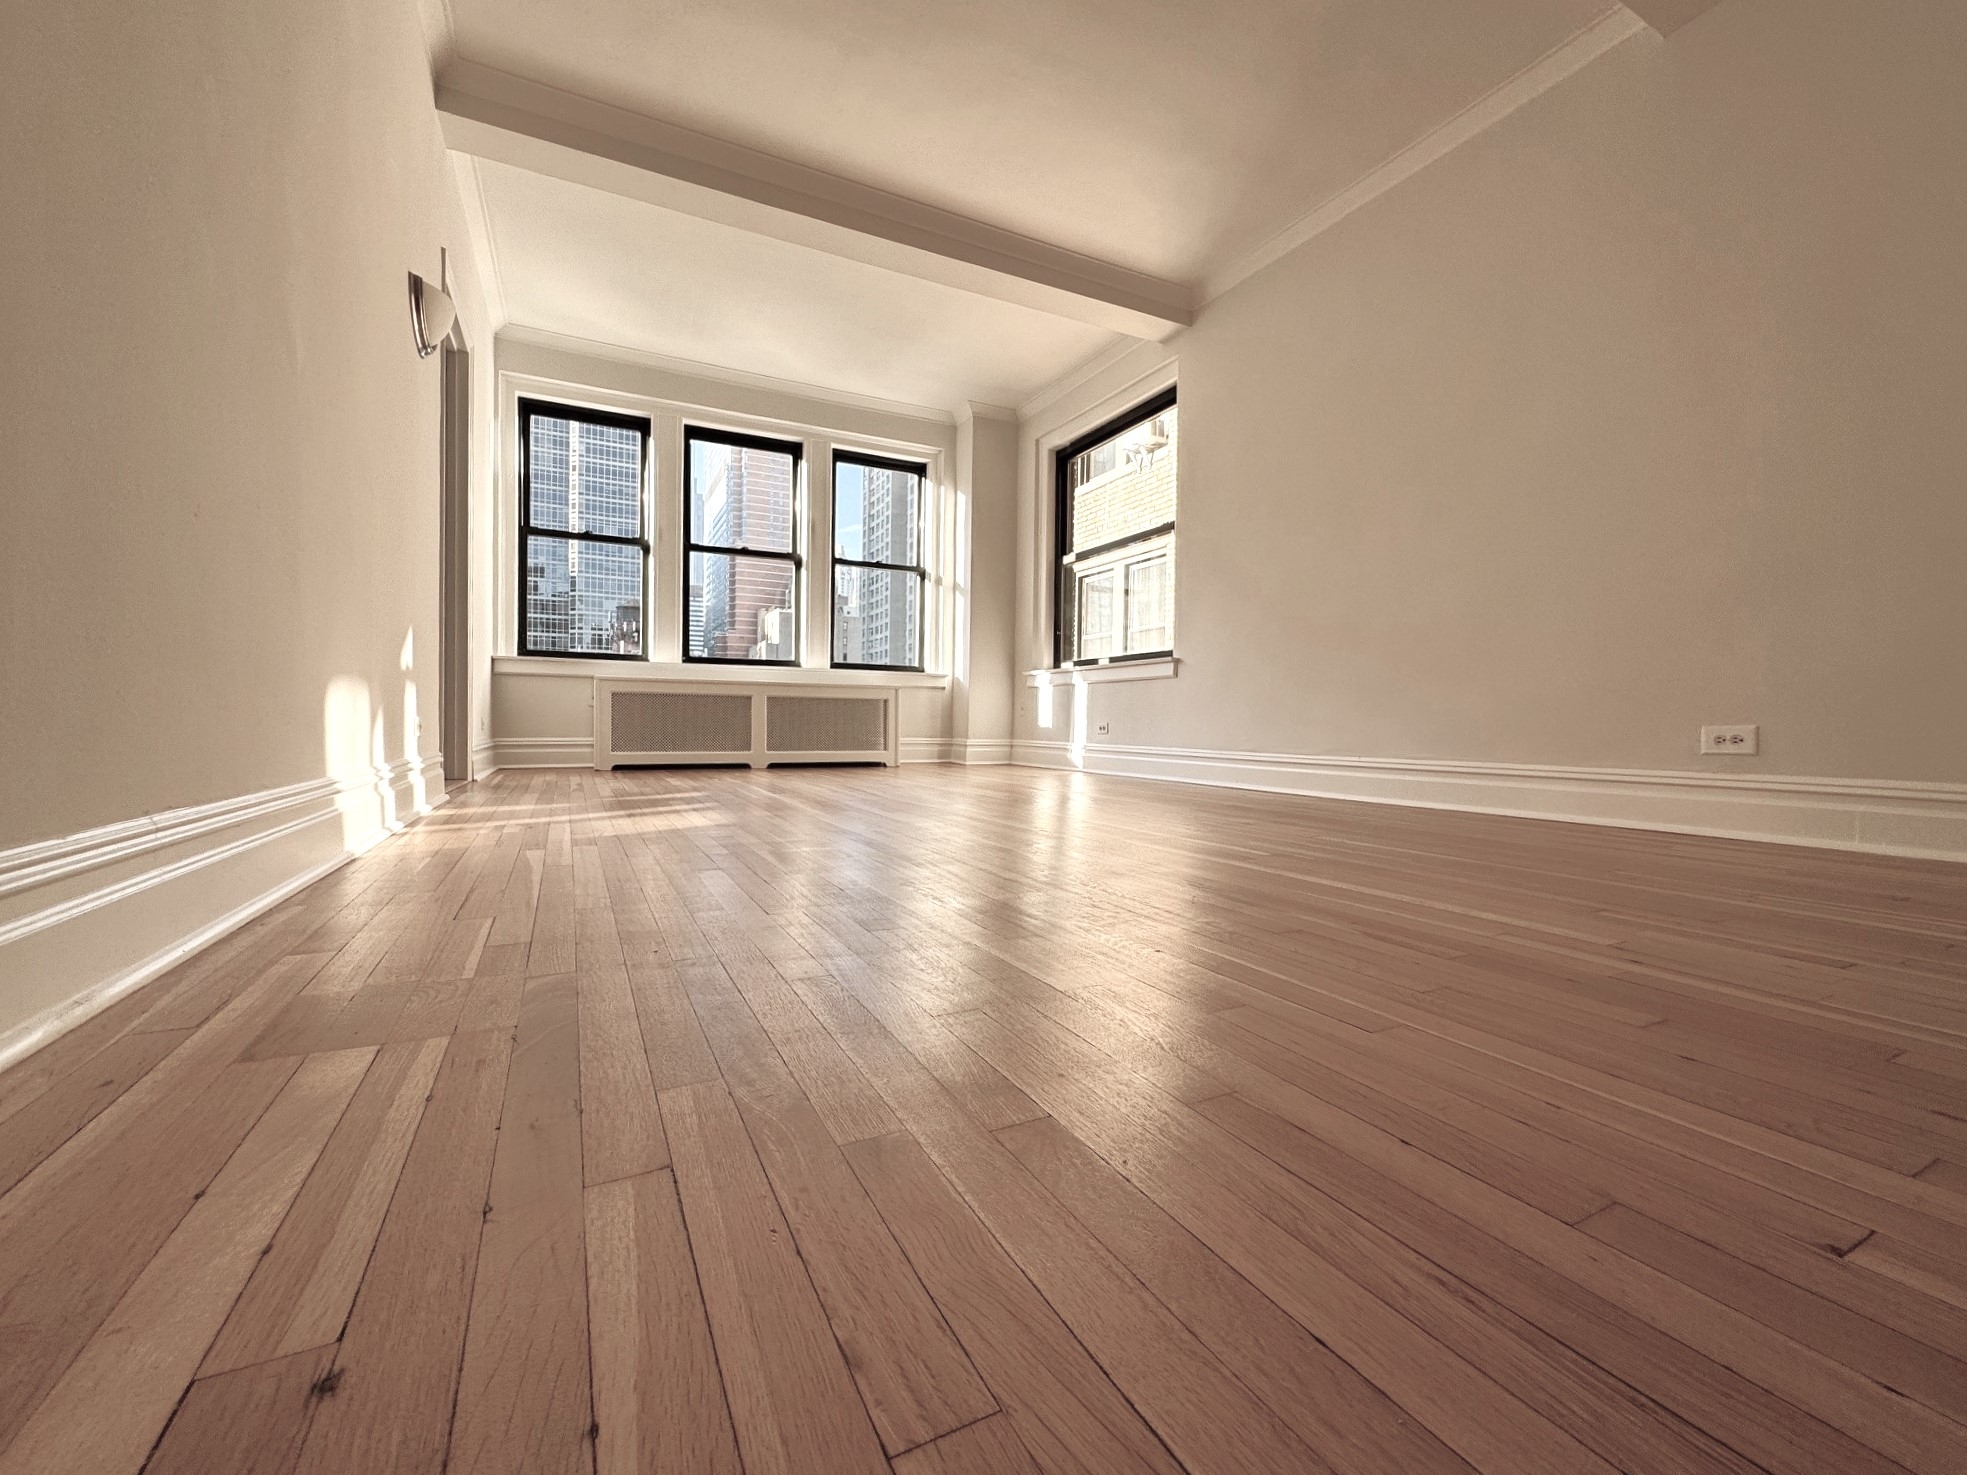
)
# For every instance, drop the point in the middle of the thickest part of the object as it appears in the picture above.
(1039, 508)
(662, 636)
(1143, 668)
(710, 672)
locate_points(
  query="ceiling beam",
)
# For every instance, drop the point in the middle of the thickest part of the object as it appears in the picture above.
(1667, 16)
(510, 120)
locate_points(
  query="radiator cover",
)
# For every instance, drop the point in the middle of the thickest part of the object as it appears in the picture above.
(657, 722)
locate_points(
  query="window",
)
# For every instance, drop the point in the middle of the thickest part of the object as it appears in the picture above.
(583, 546)
(1116, 539)
(741, 586)
(878, 577)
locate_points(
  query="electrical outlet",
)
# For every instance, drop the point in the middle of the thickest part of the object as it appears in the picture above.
(1735, 741)
(1100, 729)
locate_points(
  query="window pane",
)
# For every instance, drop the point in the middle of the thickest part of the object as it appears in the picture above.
(1150, 604)
(877, 617)
(875, 513)
(1093, 606)
(741, 609)
(583, 598)
(1124, 485)
(741, 497)
(584, 478)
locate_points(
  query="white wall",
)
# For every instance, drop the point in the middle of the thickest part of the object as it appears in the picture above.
(221, 479)
(983, 699)
(542, 713)
(1645, 409)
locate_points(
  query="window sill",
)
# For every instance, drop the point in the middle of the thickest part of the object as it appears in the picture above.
(1156, 669)
(710, 672)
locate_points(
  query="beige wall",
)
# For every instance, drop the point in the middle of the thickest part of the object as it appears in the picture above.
(1645, 409)
(221, 463)
(981, 708)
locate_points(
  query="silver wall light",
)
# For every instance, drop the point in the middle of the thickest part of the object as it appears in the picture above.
(431, 314)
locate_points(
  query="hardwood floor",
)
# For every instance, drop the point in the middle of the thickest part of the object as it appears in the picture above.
(997, 1121)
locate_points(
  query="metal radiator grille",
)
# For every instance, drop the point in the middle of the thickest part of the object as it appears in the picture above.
(826, 725)
(678, 722)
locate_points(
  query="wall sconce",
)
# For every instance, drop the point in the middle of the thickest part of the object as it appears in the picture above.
(431, 314)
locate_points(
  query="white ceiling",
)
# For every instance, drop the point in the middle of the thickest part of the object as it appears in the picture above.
(595, 265)
(1166, 138)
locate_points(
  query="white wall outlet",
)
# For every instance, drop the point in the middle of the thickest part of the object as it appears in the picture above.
(1736, 741)
(1100, 729)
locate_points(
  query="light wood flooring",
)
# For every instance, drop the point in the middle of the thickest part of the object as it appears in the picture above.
(996, 1121)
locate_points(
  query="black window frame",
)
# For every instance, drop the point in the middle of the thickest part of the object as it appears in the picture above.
(920, 568)
(797, 450)
(558, 410)
(1064, 556)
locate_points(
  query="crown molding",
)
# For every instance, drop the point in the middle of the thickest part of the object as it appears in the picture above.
(1617, 25)
(718, 374)
(977, 409)
(1077, 375)
(530, 125)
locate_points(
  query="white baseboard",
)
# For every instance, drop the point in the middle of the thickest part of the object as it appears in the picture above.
(1884, 816)
(484, 759)
(86, 918)
(956, 750)
(551, 752)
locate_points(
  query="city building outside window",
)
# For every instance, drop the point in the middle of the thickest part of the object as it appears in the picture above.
(741, 558)
(878, 576)
(1116, 490)
(583, 543)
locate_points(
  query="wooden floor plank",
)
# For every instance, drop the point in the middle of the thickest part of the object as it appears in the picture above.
(792, 1399)
(1204, 1415)
(678, 1055)
(397, 1370)
(303, 1286)
(988, 1447)
(71, 1102)
(1067, 1410)
(86, 1225)
(621, 1130)
(1339, 1413)
(1553, 1342)
(913, 1376)
(1317, 1136)
(1866, 1346)
(105, 1414)
(1411, 1354)
(846, 1102)
(250, 1421)
(658, 1399)
(523, 1400)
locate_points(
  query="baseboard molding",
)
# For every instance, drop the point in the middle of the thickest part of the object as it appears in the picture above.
(552, 752)
(956, 750)
(1886, 817)
(86, 918)
(578, 752)
(484, 759)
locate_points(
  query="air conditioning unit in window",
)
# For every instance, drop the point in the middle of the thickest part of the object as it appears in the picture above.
(756, 724)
